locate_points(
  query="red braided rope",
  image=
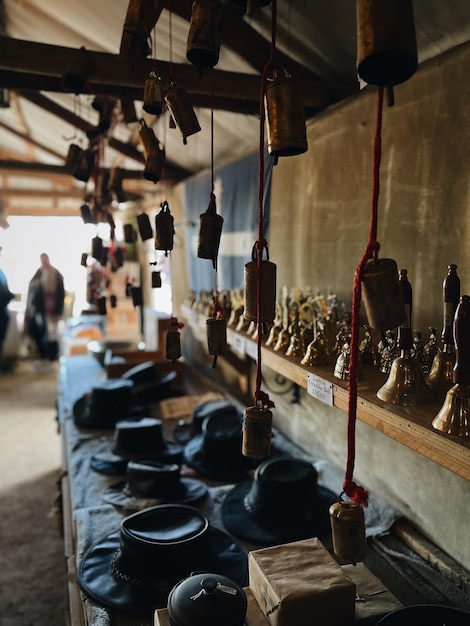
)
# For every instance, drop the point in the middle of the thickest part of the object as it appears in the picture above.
(350, 488)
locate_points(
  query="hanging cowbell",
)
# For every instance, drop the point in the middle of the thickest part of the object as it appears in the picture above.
(182, 112)
(205, 33)
(147, 136)
(73, 154)
(382, 295)
(216, 328)
(257, 433)
(285, 115)
(144, 226)
(267, 278)
(386, 41)
(84, 165)
(156, 280)
(210, 230)
(155, 164)
(152, 95)
(97, 248)
(164, 229)
(173, 341)
(129, 233)
(348, 531)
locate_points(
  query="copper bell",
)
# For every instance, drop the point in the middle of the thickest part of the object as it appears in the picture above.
(210, 231)
(285, 115)
(152, 95)
(156, 280)
(73, 154)
(386, 41)
(216, 328)
(348, 531)
(205, 33)
(164, 229)
(268, 292)
(147, 136)
(144, 226)
(257, 433)
(155, 164)
(173, 345)
(76, 74)
(381, 294)
(84, 165)
(182, 112)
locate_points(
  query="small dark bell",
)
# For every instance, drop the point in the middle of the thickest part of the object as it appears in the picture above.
(137, 296)
(164, 229)
(216, 328)
(182, 112)
(156, 280)
(152, 97)
(97, 248)
(84, 259)
(144, 226)
(173, 345)
(257, 433)
(348, 531)
(210, 231)
(76, 74)
(129, 233)
(101, 305)
(205, 33)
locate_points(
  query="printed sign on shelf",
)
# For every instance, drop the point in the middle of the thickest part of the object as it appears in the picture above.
(320, 388)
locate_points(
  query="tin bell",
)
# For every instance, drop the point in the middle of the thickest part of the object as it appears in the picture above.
(156, 280)
(155, 164)
(73, 154)
(181, 110)
(164, 229)
(205, 33)
(84, 165)
(210, 231)
(285, 115)
(348, 531)
(216, 329)
(152, 95)
(144, 226)
(268, 281)
(257, 433)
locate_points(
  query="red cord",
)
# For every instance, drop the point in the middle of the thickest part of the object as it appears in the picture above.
(351, 489)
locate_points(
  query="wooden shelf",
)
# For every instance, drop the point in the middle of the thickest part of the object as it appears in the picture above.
(410, 426)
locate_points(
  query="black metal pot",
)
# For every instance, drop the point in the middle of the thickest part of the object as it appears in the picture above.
(429, 614)
(206, 599)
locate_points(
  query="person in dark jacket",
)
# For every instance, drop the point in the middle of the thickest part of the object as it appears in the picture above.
(5, 298)
(45, 308)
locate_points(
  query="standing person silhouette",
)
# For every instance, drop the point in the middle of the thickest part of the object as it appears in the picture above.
(5, 297)
(44, 309)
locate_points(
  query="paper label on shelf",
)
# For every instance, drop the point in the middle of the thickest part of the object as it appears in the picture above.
(252, 350)
(320, 389)
(238, 344)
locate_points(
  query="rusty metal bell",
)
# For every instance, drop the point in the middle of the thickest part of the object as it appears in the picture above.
(129, 233)
(137, 296)
(97, 248)
(210, 231)
(164, 229)
(285, 115)
(148, 138)
(216, 329)
(382, 295)
(173, 345)
(182, 112)
(152, 95)
(348, 531)
(73, 154)
(154, 169)
(144, 226)
(257, 433)
(386, 41)
(205, 33)
(156, 280)
(84, 165)
(268, 281)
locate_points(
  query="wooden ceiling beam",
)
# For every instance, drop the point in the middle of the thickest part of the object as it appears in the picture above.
(26, 137)
(109, 69)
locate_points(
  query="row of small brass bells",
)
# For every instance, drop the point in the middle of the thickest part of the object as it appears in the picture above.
(317, 352)
(368, 351)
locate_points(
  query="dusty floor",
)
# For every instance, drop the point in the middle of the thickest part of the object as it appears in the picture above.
(32, 563)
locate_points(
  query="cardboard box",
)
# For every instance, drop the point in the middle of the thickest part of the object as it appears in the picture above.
(254, 615)
(301, 584)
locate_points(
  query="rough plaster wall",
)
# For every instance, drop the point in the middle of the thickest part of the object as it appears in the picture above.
(320, 216)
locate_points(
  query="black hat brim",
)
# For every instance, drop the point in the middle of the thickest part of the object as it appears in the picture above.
(190, 491)
(227, 471)
(95, 578)
(116, 465)
(84, 416)
(240, 523)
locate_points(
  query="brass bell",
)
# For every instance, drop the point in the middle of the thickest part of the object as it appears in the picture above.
(182, 112)
(152, 95)
(216, 328)
(147, 136)
(454, 416)
(268, 282)
(386, 41)
(257, 433)
(210, 231)
(283, 341)
(155, 163)
(348, 531)
(441, 377)
(285, 115)
(205, 33)
(381, 294)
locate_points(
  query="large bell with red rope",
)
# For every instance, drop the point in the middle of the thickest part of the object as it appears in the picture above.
(205, 33)
(267, 278)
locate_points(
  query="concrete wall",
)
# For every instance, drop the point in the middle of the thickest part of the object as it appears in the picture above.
(319, 227)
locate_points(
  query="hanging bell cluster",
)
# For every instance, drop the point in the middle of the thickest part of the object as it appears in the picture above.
(182, 113)
(285, 115)
(205, 33)
(173, 341)
(267, 278)
(164, 229)
(257, 432)
(348, 531)
(216, 329)
(210, 231)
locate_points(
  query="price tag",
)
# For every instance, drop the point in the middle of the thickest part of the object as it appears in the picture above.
(320, 389)
(251, 350)
(238, 344)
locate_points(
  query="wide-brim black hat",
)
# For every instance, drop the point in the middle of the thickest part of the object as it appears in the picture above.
(100, 578)
(190, 491)
(149, 384)
(185, 431)
(302, 520)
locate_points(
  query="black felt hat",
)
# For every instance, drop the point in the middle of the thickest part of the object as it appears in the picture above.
(149, 384)
(283, 503)
(134, 569)
(217, 452)
(150, 483)
(184, 432)
(136, 439)
(107, 402)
